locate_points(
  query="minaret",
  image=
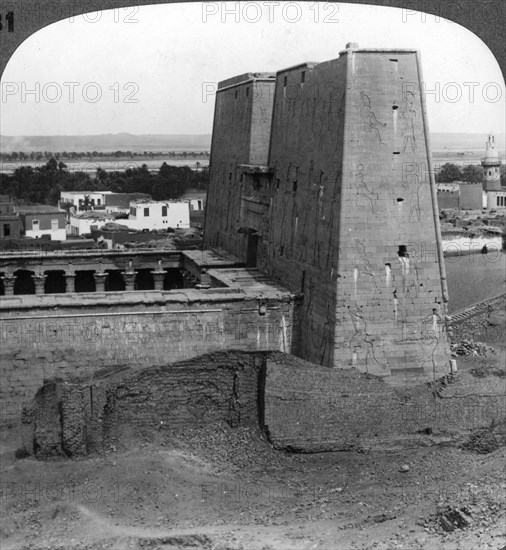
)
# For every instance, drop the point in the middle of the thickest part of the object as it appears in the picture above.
(492, 178)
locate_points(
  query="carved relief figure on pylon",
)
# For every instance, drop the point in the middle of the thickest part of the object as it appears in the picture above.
(371, 123)
(361, 187)
(407, 118)
(362, 263)
(362, 344)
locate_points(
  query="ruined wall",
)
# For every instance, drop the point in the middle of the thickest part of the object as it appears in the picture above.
(390, 314)
(301, 406)
(301, 234)
(241, 131)
(76, 418)
(192, 393)
(61, 337)
(310, 408)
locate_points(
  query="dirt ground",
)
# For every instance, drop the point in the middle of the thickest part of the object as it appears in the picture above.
(224, 488)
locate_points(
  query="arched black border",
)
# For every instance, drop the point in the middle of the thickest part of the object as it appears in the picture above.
(485, 18)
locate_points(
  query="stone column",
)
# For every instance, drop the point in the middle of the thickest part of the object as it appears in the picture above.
(9, 281)
(39, 283)
(100, 278)
(158, 278)
(129, 277)
(70, 279)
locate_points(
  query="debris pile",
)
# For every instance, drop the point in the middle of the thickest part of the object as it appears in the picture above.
(468, 347)
(487, 440)
(477, 513)
(452, 518)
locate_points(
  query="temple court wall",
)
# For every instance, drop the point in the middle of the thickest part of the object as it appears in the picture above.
(83, 335)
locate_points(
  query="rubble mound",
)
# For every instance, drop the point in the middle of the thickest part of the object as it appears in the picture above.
(474, 514)
(452, 518)
(487, 440)
(469, 347)
(483, 369)
(114, 226)
(195, 541)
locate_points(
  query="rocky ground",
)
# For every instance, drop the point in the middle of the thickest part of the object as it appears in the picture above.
(472, 223)
(224, 488)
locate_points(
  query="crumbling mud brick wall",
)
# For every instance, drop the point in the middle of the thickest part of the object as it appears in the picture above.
(210, 388)
(75, 418)
(309, 408)
(54, 422)
(70, 340)
(301, 406)
(42, 421)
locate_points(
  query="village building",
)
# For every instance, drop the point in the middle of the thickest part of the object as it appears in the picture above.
(151, 215)
(10, 224)
(120, 202)
(197, 200)
(84, 200)
(109, 201)
(471, 196)
(84, 222)
(42, 220)
(143, 215)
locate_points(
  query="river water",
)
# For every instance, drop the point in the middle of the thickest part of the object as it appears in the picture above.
(119, 165)
(475, 277)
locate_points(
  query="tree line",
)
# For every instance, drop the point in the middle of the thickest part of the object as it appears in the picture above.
(21, 156)
(45, 183)
(470, 173)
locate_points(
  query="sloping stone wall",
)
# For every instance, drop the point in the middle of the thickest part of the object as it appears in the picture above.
(309, 408)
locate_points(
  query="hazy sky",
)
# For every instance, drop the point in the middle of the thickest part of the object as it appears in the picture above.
(147, 70)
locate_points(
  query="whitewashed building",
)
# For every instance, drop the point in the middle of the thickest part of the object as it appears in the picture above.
(149, 214)
(84, 199)
(196, 198)
(81, 224)
(41, 220)
(144, 214)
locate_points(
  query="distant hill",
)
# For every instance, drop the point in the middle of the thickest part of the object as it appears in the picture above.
(106, 143)
(173, 142)
(463, 142)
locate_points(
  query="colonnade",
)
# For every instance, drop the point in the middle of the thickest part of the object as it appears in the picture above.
(25, 281)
